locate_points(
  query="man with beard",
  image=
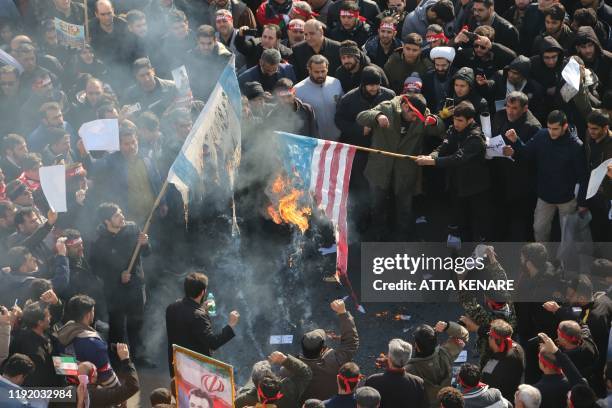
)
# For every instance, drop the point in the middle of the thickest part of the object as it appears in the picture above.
(484, 14)
(484, 56)
(405, 61)
(240, 14)
(85, 110)
(315, 44)
(14, 150)
(369, 94)
(351, 27)
(400, 125)
(209, 56)
(554, 22)
(546, 69)
(227, 34)
(514, 78)
(51, 116)
(596, 58)
(291, 114)
(604, 10)
(436, 82)
(367, 8)
(599, 149)
(268, 72)
(380, 47)
(354, 62)
(514, 199)
(322, 93)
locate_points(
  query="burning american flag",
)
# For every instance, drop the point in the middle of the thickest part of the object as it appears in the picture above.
(323, 168)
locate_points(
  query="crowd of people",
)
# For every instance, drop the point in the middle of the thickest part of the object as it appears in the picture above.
(432, 79)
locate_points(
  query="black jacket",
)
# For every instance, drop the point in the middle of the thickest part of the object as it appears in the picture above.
(367, 9)
(213, 64)
(505, 32)
(566, 39)
(360, 33)
(157, 101)
(397, 387)
(533, 24)
(252, 49)
(514, 179)
(554, 387)
(110, 256)
(505, 370)
(302, 53)
(585, 355)
(601, 65)
(39, 349)
(436, 90)
(349, 106)
(463, 154)
(376, 53)
(188, 325)
(349, 81)
(300, 120)
(500, 57)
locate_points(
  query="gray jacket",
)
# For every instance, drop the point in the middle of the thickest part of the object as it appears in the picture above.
(485, 397)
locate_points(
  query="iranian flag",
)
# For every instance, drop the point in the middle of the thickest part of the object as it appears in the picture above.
(65, 365)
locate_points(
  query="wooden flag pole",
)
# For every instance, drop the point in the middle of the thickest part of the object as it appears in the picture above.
(385, 153)
(147, 224)
(86, 21)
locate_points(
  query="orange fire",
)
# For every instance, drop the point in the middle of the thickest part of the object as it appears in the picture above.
(285, 207)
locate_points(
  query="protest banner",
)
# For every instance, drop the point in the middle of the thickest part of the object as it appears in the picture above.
(200, 378)
(70, 35)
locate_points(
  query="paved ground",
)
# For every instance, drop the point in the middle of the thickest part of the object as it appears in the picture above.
(274, 278)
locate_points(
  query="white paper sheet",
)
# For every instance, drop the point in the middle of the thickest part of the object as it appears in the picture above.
(53, 183)
(101, 134)
(597, 176)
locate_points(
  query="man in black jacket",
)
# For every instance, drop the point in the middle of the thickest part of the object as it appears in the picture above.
(111, 253)
(546, 67)
(188, 323)
(504, 369)
(253, 47)
(595, 57)
(577, 343)
(514, 200)
(367, 8)
(463, 153)
(151, 92)
(395, 385)
(368, 95)
(351, 27)
(316, 43)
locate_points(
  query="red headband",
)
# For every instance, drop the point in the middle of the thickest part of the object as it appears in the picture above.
(347, 381)
(495, 305)
(265, 399)
(354, 14)
(567, 337)
(507, 340)
(296, 26)
(75, 241)
(439, 36)
(388, 26)
(548, 364)
(469, 387)
(224, 17)
(413, 108)
(303, 13)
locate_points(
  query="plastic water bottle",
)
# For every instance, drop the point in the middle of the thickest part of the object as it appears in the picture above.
(212, 306)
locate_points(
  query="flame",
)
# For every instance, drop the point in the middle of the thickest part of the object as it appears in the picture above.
(285, 207)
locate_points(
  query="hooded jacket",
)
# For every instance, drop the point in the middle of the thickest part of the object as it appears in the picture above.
(416, 20)
(602, 62)
(566, 39)
(467, 74)
(350, 80)
(85, 344)
(463, 153)
(436, 369)
(397, 69)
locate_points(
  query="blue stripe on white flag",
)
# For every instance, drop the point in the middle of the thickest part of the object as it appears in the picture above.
(185, 170)
(297, 154)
